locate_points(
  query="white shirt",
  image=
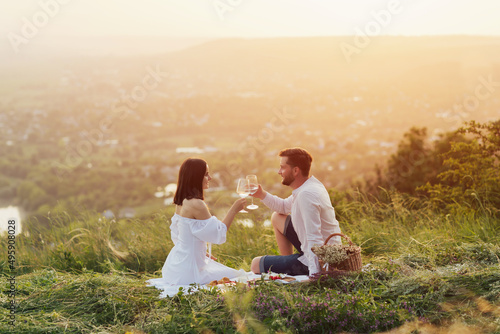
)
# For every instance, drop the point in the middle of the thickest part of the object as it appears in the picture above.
(313, 218)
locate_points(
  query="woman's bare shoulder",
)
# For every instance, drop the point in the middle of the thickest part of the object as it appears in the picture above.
(194, 203)
(195, 208)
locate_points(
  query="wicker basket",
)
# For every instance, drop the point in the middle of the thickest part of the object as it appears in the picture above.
(353, 263)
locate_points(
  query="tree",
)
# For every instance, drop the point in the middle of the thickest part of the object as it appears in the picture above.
(472, 175)
(411, 166)
(416, 163)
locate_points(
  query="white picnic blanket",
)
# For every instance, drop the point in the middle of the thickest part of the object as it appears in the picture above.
(169, 290)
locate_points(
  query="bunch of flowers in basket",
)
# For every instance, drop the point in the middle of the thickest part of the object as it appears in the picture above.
(333, 254)
(338, 256)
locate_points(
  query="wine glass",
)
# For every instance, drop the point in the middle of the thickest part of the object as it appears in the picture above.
(253, 187)
(243, 189)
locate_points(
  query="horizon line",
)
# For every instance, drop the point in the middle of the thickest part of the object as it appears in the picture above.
(280, 36)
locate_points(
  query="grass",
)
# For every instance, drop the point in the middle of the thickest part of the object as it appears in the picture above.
(385, 296)
(425, 272)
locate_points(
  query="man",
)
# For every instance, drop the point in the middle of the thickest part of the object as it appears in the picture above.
(303, 220)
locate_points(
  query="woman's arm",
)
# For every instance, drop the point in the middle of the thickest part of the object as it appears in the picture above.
(198, 209)
(212, 229)
(238, 205)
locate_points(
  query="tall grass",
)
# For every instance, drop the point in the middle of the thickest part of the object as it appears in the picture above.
(399, 225)
(390, 227)
(89, 241)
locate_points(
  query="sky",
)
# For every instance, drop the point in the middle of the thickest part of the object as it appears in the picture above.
(249, 18)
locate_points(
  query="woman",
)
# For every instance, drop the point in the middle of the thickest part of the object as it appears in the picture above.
(192, 228)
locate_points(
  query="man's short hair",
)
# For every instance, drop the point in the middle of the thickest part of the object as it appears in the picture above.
(298, 157)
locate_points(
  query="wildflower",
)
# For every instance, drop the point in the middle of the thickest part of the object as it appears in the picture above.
(332, 253)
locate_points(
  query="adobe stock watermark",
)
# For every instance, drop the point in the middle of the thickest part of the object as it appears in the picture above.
(48, 9)
(483, 91)
(362, 37)
(76, 155)
(252, 144)
(225, 6)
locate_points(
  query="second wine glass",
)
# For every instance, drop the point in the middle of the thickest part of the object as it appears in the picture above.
(253, 185)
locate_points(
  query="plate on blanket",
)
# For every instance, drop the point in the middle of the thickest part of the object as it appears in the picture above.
(273, 277)
(222, 282)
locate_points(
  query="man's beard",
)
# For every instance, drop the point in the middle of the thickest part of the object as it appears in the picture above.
(287, 180)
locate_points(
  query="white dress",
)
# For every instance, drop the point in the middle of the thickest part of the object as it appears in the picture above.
(187, 261)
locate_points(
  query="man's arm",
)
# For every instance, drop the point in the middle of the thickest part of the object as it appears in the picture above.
(273, 202)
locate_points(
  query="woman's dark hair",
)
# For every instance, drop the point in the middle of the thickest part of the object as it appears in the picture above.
(298, 157)
(190, 182)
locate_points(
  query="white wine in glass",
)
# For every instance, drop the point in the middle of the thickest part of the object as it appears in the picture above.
(253, 186)
(243, 189)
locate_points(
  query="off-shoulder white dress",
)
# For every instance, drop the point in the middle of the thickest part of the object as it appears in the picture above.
(187, 261)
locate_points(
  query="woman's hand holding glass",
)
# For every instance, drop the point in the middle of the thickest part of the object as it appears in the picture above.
(243, 189)
(238, 205)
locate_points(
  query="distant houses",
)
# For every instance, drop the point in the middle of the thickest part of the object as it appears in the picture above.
(126, 213)
(191, 150)
(123, 213)
(108, 214)
(195, 150)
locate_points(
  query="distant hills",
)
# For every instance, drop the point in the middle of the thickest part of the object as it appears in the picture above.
(324, 56)
(41, 47)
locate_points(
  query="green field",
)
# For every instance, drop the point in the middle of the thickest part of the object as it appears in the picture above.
(424, 272)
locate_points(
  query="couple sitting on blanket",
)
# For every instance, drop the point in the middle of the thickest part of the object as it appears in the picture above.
(303, 220)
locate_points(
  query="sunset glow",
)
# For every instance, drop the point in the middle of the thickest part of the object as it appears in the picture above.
(259, 18)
